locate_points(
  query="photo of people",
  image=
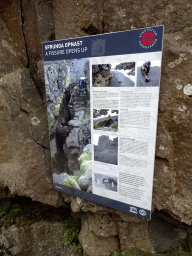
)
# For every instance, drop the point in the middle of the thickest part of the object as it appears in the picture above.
(105, 178)
(113, 75)
(148, 73)
(105, 148)
(67, 85)
(105, 119)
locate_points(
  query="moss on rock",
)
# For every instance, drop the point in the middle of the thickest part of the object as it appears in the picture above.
(85, 156)
(76, 178)
(85, 167)
(70, 182)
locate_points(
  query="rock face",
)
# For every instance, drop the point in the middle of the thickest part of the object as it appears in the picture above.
(92, 245)
(25, 157)
(101, 75)
(106, 150)
(41, 238)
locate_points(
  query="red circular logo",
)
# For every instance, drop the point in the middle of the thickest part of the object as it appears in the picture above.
(148, 38)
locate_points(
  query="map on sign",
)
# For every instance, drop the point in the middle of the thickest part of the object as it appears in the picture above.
(102, 101)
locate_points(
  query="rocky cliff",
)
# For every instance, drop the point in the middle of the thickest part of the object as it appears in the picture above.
(24, 149)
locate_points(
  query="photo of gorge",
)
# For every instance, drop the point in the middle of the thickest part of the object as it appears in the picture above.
(68, 105)
(105, 148)
(113, 75)
(105, 178)
(105, 120)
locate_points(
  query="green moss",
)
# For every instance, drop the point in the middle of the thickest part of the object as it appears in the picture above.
(72, 229)
(13, 213)
(60, 98)
(85, 156)
(2, 213)
(82, 121)
(70, 182)
(115, 125)
(85, 167)
(76, 178)
(51, 121)
(57, 107)
(86, 116)
(67, 81)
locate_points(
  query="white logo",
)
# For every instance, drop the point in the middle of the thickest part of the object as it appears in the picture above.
(133, 209)
(142, 212)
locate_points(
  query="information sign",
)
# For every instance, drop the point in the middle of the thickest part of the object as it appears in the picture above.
(102, 103)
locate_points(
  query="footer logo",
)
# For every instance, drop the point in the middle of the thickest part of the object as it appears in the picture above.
(142, 212)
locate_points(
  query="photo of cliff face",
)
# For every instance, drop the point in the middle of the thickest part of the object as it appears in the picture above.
(105, 119)
(68, 104)
(106, 149)
(113, 75)
(106, 179)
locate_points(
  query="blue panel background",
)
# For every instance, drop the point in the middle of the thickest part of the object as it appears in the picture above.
(126, 42)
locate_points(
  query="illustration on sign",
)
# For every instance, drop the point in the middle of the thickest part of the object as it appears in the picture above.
(102, 99)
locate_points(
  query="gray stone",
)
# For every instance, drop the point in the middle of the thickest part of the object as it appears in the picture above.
(102, 225)
(41, 238)
(92, 246)
(166, 236)
(88, 147)
(59, 178)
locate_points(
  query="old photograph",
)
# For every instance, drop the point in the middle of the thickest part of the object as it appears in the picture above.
(105, 120)
(106, 178)
(113, 75)
(148, 73)
(105, 148)
(67, 85)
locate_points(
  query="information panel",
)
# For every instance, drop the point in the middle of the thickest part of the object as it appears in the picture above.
(102, 103)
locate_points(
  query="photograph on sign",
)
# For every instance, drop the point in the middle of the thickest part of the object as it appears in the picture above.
(105, 148)
(106, 178)
(105, 119)
(148, 73)
(113, 75)
(102, 97)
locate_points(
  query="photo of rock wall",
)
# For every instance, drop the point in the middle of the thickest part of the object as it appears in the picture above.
(106, 149)
(68, 104)
(113, 75)
(105, 120)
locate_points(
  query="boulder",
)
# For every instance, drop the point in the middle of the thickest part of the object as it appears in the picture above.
(103, 225)
(86, 180)
(59, 178)
(96, 245)
(41, 238)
